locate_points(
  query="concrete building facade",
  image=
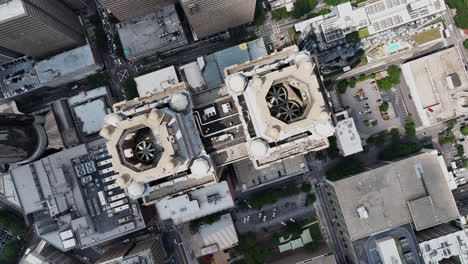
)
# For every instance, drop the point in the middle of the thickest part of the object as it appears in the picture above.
(125, 10)
(148, 251)
(38, 28)
(7, 55)
(207, 17)
(409, 192)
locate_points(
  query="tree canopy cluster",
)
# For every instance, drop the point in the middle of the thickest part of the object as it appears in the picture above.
(271, 196)
(464, 130)
(12, 250)
(384, 107)
(399, 149)
(301, 8)
(13, 222)
(410, 127)
(253, 252)
(461, 18)
(346, 167)
(341, 86)
(98, 80)
(130, 89)
(393, 78)
(446, 137)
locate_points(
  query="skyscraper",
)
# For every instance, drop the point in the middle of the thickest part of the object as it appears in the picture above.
(38, 27)
(7, 55)
(22, 137)
(125, 9)
(208, 17)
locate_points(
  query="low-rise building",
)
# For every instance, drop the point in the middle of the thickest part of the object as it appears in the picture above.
(25, 74)
(376, 16)
(437, 83)
(196, 204)
(151, 34)
(386, 200)
(71, 200)
(443, 243)
(145, 251)
(347, 136)
(72, 65)
(156, 81)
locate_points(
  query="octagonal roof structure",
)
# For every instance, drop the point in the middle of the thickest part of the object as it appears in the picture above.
(154, 148)
(285, 104)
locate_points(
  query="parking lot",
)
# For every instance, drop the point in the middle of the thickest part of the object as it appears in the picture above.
(363, 103)
(293, 207)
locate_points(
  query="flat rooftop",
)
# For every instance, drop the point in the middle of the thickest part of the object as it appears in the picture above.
(65, 63)
(437, 83)
(84, 207)
(153, 32)
(348, 138)
(11, 9)
(156, 81)
(196, 204)
(18, 76)
(410, 190)
(214, 64)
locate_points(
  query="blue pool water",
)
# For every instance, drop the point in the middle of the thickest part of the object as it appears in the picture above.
(393, 47)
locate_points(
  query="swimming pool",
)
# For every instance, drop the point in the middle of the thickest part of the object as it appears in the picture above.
(393, 47)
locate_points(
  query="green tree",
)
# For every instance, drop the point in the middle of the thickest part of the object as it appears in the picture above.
(346, 167)
(461, 19)
(12, 250)
(13, 222)
(352, 83)
(395, 133)
(210, 219)
(334, 2)
(319, 155)
(130, 89)
(253, 251)
(464, 130)
(98, 79)
(394, 74)
(351, 37)
(385, 84)
(279, 13)
(400, 149)
(465, 163)
(341, 86)
(410, 127)
(324, 11)
(259, 14)
(292, 229)
(384, 107)
(302, 7)
(306, 187)
(311, 198)
(459, 4)
(465, 43)
(446, 137)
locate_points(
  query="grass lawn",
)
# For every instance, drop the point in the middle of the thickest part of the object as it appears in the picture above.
(292, 34)
(363, 33)
(427, 36)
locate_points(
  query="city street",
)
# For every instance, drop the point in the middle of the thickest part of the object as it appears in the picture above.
(293, 207)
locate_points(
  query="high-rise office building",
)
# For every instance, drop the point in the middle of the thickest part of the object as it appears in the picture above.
(208, 17)
(126, 9)
(38, 27)
(7, 55)
(22, 137)
(149, 251)
(76, 4)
